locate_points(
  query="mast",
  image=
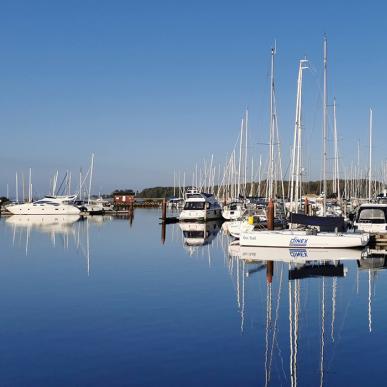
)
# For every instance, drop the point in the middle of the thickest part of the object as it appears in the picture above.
(17, 189)
(246, 128)
(325, 129)
(272, 118)
(23, 188)
(30, 186)
(370, 160)
(91, 177)
(336, 177)
(296, 151)
(240, 158)
(174, 183)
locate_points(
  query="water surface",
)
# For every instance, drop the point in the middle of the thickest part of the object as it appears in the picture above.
(104, 302)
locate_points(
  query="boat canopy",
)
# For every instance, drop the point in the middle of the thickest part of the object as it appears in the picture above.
(326, 223)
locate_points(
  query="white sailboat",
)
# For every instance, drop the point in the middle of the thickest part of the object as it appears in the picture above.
(296, 237)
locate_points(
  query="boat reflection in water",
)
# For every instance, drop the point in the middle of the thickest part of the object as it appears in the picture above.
(199, 234)
(61, 224)
(71, 229)
(301, 264)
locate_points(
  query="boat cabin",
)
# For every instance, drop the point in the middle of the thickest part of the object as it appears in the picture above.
(371, 218)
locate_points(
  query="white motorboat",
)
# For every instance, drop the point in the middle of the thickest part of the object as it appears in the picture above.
(371, 218)
(237, 226)
(175, 203)
(303, 239)
(200, 206)
(233, 210)
(94, 207)
(49, 205)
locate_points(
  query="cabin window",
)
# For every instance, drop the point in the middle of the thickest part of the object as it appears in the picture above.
(194, 206)
(372, 215)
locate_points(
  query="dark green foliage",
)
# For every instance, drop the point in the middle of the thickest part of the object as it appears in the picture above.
(156, 192)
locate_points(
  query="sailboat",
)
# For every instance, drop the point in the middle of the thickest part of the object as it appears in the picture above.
(295, 237)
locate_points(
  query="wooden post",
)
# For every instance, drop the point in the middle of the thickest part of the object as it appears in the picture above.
(306, 206)
(269, 271)
(164, 210)
(163, 232)
(270, 215)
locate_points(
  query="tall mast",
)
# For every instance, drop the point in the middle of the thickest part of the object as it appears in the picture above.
(370, 160)
(17, 189)
(246, 128)
(336, 179)
(240, 158)
(271, 137)
(325, 129)
(30, 186)
(91, 177)
(296, 151)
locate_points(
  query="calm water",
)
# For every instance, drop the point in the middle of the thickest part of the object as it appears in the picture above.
(104, 303)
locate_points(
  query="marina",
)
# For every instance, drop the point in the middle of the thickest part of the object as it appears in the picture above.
(193, 194)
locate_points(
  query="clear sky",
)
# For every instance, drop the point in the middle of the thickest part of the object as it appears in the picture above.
(153, 86)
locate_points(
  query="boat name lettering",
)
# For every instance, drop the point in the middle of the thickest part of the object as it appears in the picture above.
(298, 241)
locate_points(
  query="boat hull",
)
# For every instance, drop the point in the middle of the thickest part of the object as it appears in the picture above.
(302, 239)
(31, 209)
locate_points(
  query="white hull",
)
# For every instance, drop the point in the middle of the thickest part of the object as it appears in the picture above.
(203, 215)
(292, 255)
(33, 209)
(302, 239)
(95, 208)
(236, 227)
(373, 228)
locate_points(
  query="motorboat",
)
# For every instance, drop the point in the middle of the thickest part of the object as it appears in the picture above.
(233, 210)
(175, 203)
(49, 205)
(200, 206)
(371, 218)
(308, 238)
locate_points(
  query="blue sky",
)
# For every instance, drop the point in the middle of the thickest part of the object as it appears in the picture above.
(153, 86)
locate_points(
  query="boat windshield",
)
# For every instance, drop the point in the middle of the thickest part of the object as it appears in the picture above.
(194, 206)
(372, 215)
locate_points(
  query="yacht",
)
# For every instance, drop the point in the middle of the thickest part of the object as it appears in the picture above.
(49, 205)
(371, 218)
(200, 206)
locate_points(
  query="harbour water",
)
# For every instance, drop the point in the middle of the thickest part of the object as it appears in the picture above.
(104, 302)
